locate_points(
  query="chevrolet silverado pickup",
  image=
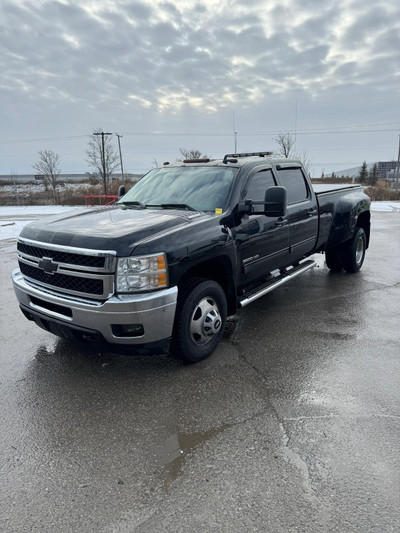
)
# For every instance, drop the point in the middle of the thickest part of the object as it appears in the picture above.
(182, 250)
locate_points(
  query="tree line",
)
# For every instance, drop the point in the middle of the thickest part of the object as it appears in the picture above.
(368, 177)
(101, 156)
(364, 176)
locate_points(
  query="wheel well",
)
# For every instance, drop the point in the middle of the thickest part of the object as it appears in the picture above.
(363, 221)
(219, 270)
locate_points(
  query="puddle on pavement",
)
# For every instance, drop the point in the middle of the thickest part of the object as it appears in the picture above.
(333, 335)
(177, 446)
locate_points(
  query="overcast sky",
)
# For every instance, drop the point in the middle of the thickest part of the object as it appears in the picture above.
(173, 74)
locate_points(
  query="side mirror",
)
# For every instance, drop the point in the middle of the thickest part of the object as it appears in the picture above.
(121, 191)
(246, 208)
(275, 202)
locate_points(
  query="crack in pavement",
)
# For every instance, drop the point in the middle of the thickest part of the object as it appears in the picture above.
(323, 512)
(343, 417)
(294, 458)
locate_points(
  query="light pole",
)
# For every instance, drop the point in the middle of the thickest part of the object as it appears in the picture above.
(120, 155)
(398, 168)
(234, 131)
(103, 157)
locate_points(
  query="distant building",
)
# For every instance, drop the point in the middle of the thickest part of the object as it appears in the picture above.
(386, 170)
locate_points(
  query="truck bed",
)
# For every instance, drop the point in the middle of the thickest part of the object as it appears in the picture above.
(320, 188)
(333, 201)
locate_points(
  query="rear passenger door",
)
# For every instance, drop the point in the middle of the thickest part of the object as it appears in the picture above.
(302, 211)
(262, 242)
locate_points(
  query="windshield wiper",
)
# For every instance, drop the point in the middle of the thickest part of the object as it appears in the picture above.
(173, 206)
(135, 203)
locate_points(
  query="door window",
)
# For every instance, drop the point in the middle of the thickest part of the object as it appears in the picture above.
(259, 184)
(295, 183)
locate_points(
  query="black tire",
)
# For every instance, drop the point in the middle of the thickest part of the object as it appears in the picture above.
(333, 259)
(199, 321)
(353, 251)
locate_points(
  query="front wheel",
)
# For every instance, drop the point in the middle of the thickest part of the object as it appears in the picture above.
(353, 251)
(200, 320)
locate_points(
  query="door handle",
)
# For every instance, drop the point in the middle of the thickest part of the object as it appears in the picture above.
(281, 222)
(311, 212)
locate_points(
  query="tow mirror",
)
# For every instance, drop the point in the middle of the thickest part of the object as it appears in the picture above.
(121, 191)
(275, 202)
(246, 208)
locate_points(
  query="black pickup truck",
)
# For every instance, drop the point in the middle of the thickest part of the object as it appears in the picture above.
(186, 247)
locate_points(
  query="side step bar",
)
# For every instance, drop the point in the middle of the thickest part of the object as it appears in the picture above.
(275, 282)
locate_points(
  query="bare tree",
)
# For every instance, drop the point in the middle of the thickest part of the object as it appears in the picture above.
(48, 167)
(13, 176)
(285, 142)
(191, 154)
(305, 161)
(104, 164)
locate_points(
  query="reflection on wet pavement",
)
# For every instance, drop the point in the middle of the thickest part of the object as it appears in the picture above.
(178, 445)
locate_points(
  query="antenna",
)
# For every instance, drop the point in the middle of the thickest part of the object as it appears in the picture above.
(234, 131)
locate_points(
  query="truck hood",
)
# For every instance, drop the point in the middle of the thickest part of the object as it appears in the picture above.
(107, 228)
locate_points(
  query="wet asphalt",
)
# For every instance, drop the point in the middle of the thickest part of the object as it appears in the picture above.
(293, 425)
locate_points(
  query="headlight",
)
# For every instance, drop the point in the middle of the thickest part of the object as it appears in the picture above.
(142, 273)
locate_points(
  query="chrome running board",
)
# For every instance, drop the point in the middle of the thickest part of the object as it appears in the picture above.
(275, 282)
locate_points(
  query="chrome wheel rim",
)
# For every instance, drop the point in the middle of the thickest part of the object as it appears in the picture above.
(359, 250)
(206, 321)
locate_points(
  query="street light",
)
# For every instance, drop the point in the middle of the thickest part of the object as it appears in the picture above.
(120, 155)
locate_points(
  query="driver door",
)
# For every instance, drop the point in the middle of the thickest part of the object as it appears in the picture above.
(262, 242)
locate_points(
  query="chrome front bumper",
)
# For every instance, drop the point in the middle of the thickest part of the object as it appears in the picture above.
(155, 311)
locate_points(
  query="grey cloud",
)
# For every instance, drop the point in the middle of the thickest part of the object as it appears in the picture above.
(164, 34)
(366, 25)
(242, 21)
(388, 43)
(346, 70)
(249, 42)
(170, 9)
(320, 27)
(138, 10)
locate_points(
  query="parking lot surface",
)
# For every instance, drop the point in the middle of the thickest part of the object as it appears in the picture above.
(292, 425)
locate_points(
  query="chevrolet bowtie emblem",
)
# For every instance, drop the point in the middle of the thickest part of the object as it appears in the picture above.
(48, 265)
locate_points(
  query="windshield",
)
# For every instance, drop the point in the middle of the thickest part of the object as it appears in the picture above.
(201, 188)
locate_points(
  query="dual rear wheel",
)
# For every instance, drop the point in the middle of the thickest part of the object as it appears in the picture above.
(349, 255)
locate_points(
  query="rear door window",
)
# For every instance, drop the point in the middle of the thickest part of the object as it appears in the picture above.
(295, 183)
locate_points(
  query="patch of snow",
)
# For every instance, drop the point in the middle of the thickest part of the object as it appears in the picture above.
(24, 189)
(11, 230)
(14, 218)
(386, 207)
(14, 210)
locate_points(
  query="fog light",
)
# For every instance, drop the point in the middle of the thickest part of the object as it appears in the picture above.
(127, 330)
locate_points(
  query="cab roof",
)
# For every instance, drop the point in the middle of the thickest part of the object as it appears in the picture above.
(240, 160)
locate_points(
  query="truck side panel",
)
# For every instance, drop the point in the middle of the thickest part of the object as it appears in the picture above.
(339, 214)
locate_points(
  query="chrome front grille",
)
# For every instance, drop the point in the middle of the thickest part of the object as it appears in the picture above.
(74, 271)
(62, 257)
